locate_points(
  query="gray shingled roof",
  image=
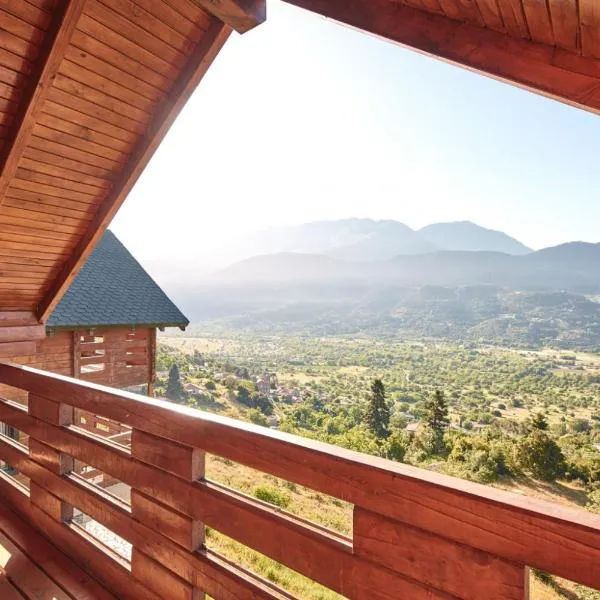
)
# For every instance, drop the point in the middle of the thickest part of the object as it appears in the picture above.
(112, 288)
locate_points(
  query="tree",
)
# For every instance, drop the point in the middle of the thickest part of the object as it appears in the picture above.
(539, 454)
(538, 421)
(436, 413)
(174, 386)
(378, 412)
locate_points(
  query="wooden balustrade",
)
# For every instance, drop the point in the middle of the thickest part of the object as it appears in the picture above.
(416, 534)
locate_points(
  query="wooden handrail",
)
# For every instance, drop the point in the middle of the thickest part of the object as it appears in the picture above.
(417, 534)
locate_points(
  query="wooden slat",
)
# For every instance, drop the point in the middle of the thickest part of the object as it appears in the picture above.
(551, 538)
(50, 159)
(146, 20)
(190, 28)
(36, 187)
(462, 10)
(589, 18)
(445, 565)
(514, 18)
(184, 461)
(241, 15)
(176, 526)
(10, 349)
(20, 28)
(66, 175)
(46, 209)
(565, 24)
(197, 66)
(54, 46)
(538, 21)
(54, 179)
(56, 564)
(29, 13)
(93, 557)
(105, 46)
(99, 93)
(137, 42)
(27, 577)
(163, 581)
(201, 569)
(126, 83)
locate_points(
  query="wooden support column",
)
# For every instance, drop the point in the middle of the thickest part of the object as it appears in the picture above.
(58, 414)
(187, 463)
(151, 360)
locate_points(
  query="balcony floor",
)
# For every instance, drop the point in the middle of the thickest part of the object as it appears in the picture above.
(32, 567)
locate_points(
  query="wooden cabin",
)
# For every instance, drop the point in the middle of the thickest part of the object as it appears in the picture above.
(104, 327)
(88, 89)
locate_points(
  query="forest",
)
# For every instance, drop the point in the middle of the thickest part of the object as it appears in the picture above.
(523, 420)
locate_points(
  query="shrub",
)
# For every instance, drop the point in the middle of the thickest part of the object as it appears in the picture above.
(539, 454)
(272, 495)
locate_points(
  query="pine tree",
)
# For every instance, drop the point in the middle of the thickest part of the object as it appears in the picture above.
(436, 411)
(174, 386)
(538, 421)
(378, 412)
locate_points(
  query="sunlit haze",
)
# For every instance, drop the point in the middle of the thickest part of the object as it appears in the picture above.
(302, 119)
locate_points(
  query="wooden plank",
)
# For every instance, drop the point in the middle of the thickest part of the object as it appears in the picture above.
(29, 13)
(70, 138)
(127, 82)
(15, 62)
(96, 111)
(589, 21)
(22, 333)
(241, 15)
(201, 569)
(50, 190)
(60, 161)
(55, 180)
(55, 44)
(54, 507)
(49, 559)
(45, 209)
(93, 557)
(462, 10)
(514, 18)
(51, 459)
(98, 96)
(197, 66)
(134, 41)
(539, 22)
(105, 46)
(445, 565)
(20, 28)
(146, 20)
(10, 349)
(176, 526)
(184, 461)
(60, 149)
(67, 176)
(163, 581)
(565, 24)
(518, 61)
(8, 591)
(190, 28)
(28, 577)
(50, 411)
(523, 530)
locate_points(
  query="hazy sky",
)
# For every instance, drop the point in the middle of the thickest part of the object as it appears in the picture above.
(302, 119)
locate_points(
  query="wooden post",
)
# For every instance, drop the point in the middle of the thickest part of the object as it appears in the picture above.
(76, 355)
(151, 360)
(58, 414)
(185, 462)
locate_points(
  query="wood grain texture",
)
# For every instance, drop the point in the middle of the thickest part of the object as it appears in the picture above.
(525, 531)
(55, 44)
(445, 565)
(195, 68)
(241, 15)
(512, 58)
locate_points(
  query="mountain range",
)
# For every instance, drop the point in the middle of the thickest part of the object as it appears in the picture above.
(368, 240)
(453, 281)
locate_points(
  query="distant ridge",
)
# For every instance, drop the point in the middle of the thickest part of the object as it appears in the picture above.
(368, 240)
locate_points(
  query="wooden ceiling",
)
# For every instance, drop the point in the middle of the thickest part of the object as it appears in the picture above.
(88, 89)
(551, 47)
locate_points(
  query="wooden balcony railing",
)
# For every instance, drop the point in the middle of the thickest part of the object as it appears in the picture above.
(416, 534)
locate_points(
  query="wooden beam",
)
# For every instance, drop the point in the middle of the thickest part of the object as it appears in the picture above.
(547, 70)
(52, 53)
(241, 15)
(195, 69)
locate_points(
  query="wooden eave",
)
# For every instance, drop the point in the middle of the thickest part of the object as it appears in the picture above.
(551, 47)
(88, 90)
